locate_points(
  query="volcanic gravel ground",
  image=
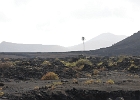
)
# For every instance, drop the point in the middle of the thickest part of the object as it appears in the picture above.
(123, 81)
(21, 80)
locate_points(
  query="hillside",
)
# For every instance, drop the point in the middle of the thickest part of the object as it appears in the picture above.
(128, 46)
(101, 41)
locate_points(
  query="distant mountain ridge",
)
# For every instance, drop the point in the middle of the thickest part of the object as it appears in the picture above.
(101, 41)
(128, 46)
(13, 47)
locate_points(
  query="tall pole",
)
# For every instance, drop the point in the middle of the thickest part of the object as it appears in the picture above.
(83, 38)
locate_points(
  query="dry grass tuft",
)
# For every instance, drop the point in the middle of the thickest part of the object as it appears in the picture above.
(88, 81)
(97, 81)
(75, 81)
(36, 88)
(46, 63)
(95, 72)
(6, 64)
(110, 81)
(1, 94)
(50, 76)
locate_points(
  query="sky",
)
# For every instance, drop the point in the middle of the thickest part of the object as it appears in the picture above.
(65, 22)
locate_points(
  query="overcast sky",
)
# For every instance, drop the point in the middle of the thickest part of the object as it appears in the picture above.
(64, 22)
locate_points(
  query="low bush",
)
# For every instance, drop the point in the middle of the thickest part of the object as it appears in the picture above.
(133, 67)
(95, 72)
(68, 64)
(6, 64)
(97, 81)
(78, 63)
(110, 81)
(75, 81)
(99, 64)
(1, 94)
(45, 63)
(88, 75)
(89, 81)
(83, 62)
(50, 76)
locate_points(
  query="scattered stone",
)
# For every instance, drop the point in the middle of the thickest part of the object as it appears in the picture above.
(119, 98)
(4, 97)
(64, 80)
(109, 99)
(1, 84)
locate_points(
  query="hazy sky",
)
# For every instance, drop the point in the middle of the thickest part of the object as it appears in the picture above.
(64, 22)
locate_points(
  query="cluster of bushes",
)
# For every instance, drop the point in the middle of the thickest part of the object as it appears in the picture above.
(94, 64)
(6, 64)
(78, 63)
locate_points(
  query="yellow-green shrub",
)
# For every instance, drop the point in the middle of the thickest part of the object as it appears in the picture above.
(50, 76)
(78, 63)
(45, 63)
(68, 64)
(110, 81)
(6, 64)
(89, 81)
(1, 94)
(83, 62)
(133, 67)
(95, 71)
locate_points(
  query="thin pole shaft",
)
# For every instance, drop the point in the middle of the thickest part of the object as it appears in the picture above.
(83, 46)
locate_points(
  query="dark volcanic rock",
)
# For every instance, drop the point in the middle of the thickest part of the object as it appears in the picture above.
(119, 98)
(1, 84)
(27, 75)
(76, 94)
(87, 68)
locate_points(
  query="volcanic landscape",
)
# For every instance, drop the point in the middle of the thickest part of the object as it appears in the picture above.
(70, 78)
(111, 73)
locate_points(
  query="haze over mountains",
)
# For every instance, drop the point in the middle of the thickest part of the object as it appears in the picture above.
(101, 41)
(13, 47)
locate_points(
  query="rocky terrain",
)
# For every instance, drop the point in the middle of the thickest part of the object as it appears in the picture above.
(70, 78)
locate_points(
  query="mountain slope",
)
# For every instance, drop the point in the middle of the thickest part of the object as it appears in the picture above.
(128, 46)
(13, 47)
(101, 41)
